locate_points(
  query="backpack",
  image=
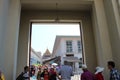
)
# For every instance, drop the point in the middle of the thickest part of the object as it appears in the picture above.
(20, 77)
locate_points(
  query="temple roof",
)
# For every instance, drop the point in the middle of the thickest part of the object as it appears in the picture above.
(47, 53)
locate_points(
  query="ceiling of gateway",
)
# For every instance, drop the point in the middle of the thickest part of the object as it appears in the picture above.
(61, 4)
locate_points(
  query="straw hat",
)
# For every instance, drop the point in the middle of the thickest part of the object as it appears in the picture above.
(99, 69)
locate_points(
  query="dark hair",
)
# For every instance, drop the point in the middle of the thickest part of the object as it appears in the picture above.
(111, 63)
(25, 68)
(45, 69)
(39, 68)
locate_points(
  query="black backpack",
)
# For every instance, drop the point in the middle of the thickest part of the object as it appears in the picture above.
(20, 77)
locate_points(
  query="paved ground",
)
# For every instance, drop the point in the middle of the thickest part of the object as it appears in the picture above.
(76, 77)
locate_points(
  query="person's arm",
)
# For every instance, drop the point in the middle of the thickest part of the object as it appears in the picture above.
(71, 71)
(59, 71)
(58, 76)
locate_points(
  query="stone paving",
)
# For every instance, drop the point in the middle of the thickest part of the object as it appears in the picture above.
(75, 77)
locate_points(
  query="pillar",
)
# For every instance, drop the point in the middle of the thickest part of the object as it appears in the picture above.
(23, 44)
(3, 19)
(102, 37)
(9, 29)
(89, 48)
(113, 20)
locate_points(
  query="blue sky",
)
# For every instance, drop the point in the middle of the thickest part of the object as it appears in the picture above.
(43, 35)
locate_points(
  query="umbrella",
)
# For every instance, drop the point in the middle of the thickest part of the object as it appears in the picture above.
(54, 64)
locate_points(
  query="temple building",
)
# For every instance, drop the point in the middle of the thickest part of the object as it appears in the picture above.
(46, 55)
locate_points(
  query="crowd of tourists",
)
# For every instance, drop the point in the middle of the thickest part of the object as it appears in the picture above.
(54, 72)
(64, 72)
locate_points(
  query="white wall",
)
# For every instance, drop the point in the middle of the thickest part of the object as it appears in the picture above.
(61, 48)
(36, 56)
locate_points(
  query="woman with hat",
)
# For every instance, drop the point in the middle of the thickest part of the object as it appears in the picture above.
(98, 73)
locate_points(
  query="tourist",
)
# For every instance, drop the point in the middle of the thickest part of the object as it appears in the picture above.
(2, 76)
(98, 73)
(45, 74)
(33, 76)
(24, 75)
(53, 74)
(32, 70)
(86, 75)
(66, 71)
(114, 73)
(39, 74)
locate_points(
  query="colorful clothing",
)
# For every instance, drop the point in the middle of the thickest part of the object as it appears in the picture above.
(87, 76)
(45, 75)
(99, 76)
(53, 74)
(114, 75)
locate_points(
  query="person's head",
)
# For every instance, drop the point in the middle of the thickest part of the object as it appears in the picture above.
(33, 72)
(45, 70)
(39, 69)
(111, 65)
(84, 67)
(31, 68)
(26, 68)
(52, 69)
(99, 70)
